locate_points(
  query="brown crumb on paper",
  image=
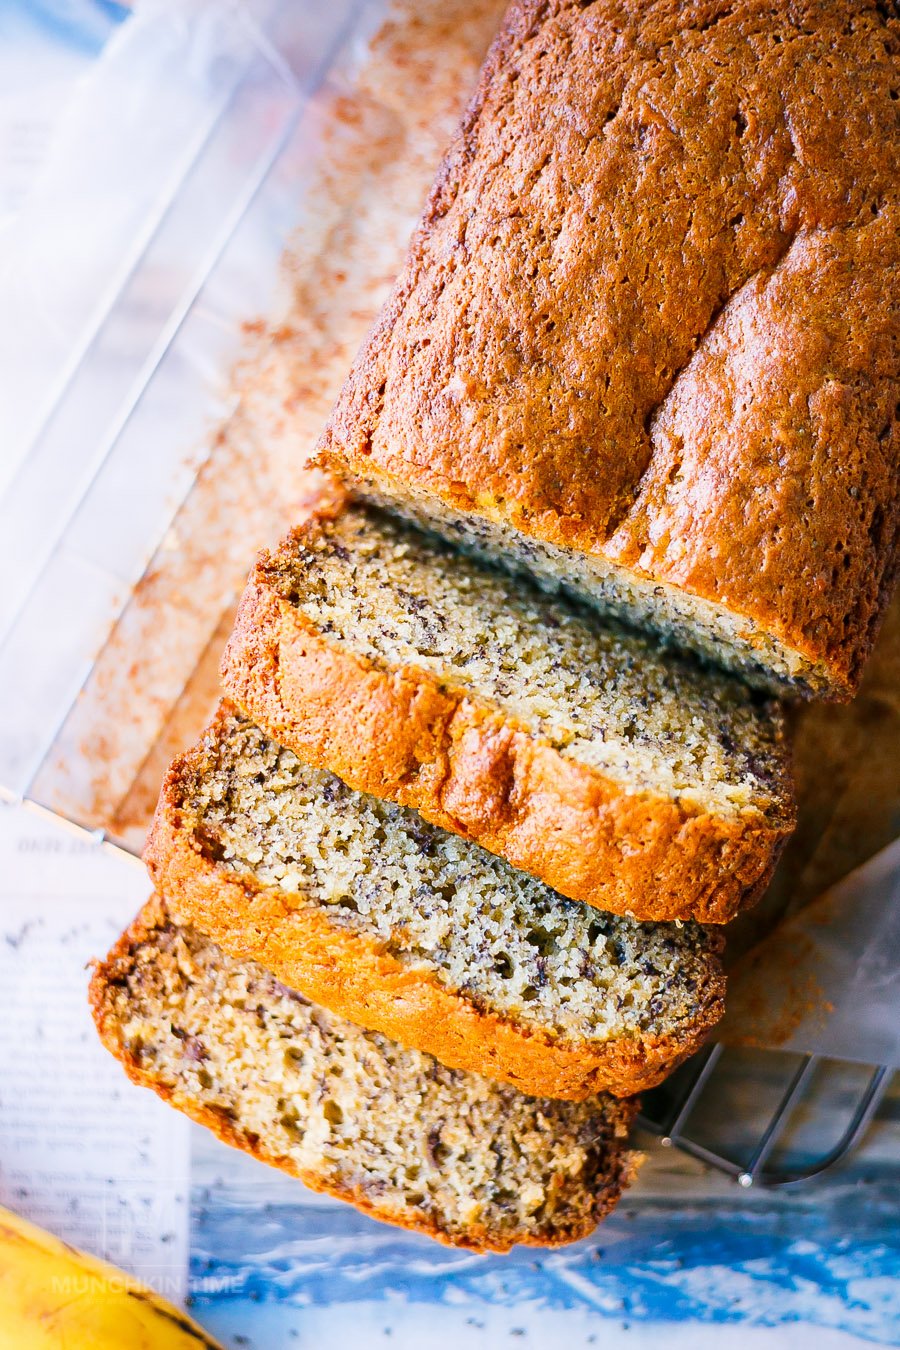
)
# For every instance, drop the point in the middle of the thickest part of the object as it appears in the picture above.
(771, 994)
(383, 127)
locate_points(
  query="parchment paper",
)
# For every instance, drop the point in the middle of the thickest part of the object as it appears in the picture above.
(816, 967)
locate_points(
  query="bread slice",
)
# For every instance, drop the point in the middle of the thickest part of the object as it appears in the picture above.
(401, 927)
(645, 342)
(616, 772)
(393, 1132)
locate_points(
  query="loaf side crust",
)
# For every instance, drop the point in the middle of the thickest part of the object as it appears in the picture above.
(354, 976)
(608, 1185)
(404, 735)
(651, 317)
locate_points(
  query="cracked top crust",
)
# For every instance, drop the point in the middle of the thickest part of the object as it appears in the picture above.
(652, 315)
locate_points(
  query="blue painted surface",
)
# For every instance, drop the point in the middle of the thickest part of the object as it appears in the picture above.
(827, 1256)
(81, 25)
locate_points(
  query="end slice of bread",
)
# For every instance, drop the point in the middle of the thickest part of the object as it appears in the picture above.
(400, 926)
(465, 1160)
(612, 769)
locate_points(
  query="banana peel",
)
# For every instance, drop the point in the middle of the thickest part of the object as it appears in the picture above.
(53, 1297)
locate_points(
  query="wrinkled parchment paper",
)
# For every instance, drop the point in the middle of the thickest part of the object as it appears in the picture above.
(816, 967)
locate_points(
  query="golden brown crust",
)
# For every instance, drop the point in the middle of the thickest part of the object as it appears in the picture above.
(354, 976)
(116, 968)
(652, 310)
(403, 735)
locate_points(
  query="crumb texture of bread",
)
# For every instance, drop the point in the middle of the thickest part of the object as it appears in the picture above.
(601, 695)
(389, 920)
(463, 1159)
(645, 342)
(586, 754)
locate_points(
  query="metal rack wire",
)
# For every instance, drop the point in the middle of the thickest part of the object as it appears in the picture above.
(668, 1113)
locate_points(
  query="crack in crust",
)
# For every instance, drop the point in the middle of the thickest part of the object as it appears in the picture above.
(620, 176)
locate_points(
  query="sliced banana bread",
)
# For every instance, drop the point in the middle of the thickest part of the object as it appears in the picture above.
(646, 338)
(451, 1154)
(617, 772)
(372, 912)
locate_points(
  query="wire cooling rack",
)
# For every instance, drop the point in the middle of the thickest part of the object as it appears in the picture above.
(760, 1158)
(95, 491)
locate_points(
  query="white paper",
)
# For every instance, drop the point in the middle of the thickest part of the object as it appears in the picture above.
(83, 1152)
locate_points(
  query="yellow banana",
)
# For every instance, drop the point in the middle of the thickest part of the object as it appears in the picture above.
(53, 1297)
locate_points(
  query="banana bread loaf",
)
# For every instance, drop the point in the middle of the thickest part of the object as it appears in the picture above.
(392, 922)
(646, 340)
(348, 1112)
(616, 772)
